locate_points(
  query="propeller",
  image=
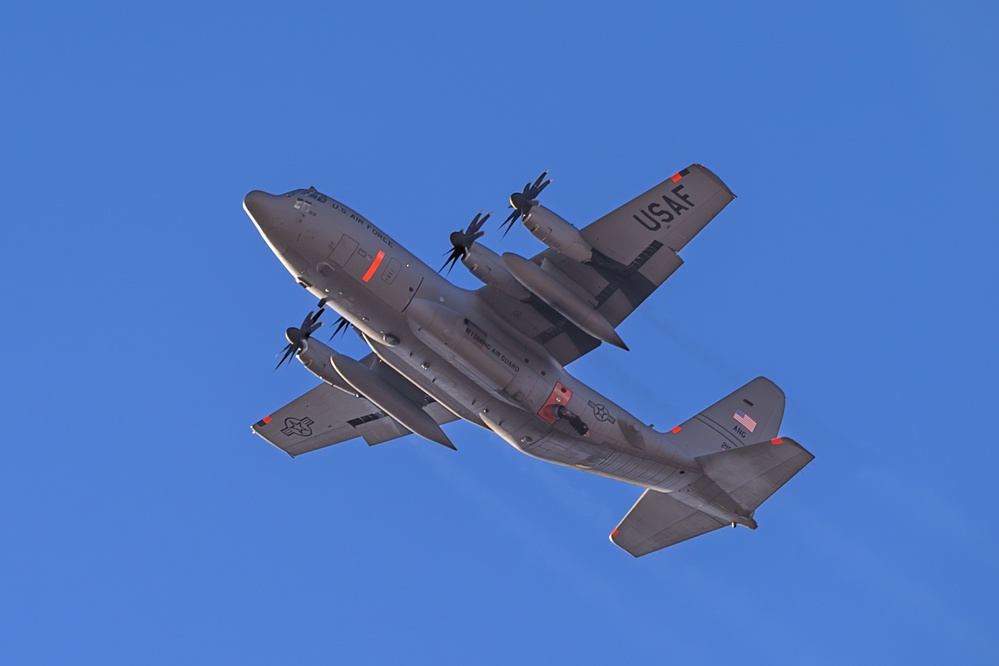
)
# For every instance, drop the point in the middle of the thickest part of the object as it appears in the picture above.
(339, 326)
(461, 241)
(297, 336)
(522, 202)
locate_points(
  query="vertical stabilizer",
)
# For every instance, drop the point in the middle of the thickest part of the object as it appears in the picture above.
(751, 414)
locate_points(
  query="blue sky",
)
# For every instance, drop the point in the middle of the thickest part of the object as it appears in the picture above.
(144, 522)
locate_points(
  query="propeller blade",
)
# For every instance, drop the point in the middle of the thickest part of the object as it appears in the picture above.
(297, 336)
(462, 241)
(288, 349)
(538, 182)
(475, 228)
(508, 223)
(452, 259)
(523, 202)
(341, 324)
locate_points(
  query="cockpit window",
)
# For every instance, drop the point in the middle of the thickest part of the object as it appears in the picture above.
(305, 198)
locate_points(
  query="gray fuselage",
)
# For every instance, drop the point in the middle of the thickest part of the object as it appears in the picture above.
(450, 344)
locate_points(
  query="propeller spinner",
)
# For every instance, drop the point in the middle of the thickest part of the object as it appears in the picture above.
(297, 336)
(461, 241)
(522, 202)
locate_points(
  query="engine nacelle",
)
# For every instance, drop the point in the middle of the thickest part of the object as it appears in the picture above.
(486, 265)
(315, 356)
(557, 234)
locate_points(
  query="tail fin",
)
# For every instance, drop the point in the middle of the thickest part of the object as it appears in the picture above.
(735, 483)
(739, 473)
(751, 414)
(751, 474)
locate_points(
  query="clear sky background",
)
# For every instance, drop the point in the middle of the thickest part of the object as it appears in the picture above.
(142, 521)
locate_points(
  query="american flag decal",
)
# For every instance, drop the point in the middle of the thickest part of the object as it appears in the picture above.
(745, 419)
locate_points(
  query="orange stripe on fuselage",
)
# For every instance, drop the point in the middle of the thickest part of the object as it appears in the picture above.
(374, 266)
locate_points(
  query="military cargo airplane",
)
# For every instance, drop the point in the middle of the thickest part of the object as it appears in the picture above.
(497, 356)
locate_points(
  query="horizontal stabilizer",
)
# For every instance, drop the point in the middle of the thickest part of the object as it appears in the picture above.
(657, 520)
(751, 474)
(735, 482)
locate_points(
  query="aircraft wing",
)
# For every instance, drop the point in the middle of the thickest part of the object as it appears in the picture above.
(326, 415)
(635, 251)
(657, 520)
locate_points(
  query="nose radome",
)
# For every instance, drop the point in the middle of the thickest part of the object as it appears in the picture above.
(255, 204)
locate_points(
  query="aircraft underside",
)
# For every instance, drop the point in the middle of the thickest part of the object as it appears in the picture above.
(496, 356)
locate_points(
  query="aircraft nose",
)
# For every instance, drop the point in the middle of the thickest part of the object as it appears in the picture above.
(266, 212)
(271, 215)
(255, 204)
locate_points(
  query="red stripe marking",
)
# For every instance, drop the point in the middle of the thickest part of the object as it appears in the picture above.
(266, 420)
(675, 177)
(776, 441)
(374, 266)
(676, 429)
(614, 533)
